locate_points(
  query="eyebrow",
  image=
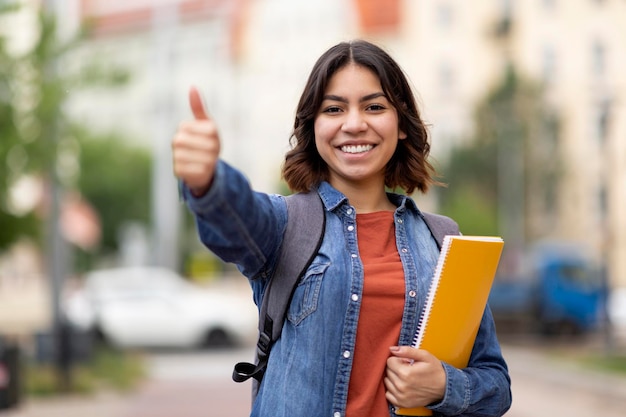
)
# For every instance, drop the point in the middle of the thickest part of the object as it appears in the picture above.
(368, 97)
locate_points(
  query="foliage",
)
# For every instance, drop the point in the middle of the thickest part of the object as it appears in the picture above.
(509, 169)
(39, 137)
(108, 368)
(115, 179)
(10, 223)
(29, 99)
(475, 215)
(614, 363)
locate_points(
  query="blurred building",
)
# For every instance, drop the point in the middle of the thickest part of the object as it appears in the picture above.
(576, 49)
(457, 50)
(251, 58)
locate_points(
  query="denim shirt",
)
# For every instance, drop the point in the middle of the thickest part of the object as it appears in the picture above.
(309, 367)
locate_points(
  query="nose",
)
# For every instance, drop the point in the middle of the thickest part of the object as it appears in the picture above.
(354, 122)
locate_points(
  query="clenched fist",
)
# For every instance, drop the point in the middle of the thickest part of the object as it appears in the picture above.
(196, 147)
(415, 378)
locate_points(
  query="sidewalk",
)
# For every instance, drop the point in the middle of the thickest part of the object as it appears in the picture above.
(100, 405)
(552, 384)
(190, 384)
(537, 379)
(189, 398)
(565, 374)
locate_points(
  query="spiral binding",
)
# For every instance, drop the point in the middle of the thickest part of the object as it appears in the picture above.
(432, 292)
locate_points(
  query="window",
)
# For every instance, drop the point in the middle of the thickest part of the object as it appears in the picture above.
(506, 8)
(446, 78)
(598, 59)
(548, 65)
(445, 15)
(603, 203)
(603, 120)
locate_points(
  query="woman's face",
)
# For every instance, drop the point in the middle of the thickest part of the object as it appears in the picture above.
(356, 128)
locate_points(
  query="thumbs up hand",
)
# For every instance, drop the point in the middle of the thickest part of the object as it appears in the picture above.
(196, 148)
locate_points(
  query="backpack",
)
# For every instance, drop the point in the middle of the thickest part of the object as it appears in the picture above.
(303, 237)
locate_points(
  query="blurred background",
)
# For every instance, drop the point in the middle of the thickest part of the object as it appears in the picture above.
(526, 103)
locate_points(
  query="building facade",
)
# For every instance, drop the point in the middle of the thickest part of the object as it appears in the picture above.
(575, 50)
(250, 58)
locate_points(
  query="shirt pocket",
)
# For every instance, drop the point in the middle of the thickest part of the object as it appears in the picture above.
(306, 295)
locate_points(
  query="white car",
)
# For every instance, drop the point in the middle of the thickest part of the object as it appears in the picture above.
(155, 307)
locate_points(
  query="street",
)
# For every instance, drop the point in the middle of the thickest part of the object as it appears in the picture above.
(190, 384)
(545, 386)
(198, 384)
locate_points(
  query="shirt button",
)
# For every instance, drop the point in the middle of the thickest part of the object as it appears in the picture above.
(336, 414)
(350, 228)
(400, 221)
(355, 297)
(412, 293)
(346, 354)
(354, 255)
(404, 250)
(349, 211)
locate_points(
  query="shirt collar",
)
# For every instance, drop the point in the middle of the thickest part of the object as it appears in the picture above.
(332, 198)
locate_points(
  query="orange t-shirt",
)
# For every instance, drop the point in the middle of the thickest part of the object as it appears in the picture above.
(380, 317)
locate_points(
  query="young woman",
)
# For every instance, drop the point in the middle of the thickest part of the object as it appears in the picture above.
(344, 348)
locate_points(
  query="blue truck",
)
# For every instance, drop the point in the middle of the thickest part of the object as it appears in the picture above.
(561, 292)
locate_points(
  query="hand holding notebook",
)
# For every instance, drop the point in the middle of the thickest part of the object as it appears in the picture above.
(423, 382)
(456, 301)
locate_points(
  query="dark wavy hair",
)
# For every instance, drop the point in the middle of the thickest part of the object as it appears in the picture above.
(408, 168)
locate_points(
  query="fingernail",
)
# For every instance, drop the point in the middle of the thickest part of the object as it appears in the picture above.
(394, 348)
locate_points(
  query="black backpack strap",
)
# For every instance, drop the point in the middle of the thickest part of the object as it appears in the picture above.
(303, 237)
(440, 226)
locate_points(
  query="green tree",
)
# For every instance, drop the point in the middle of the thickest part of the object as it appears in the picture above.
(115, 179)
(12, 222)
(39, 137)
(504, 180)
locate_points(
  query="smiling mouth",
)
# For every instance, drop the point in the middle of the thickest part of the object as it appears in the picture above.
(356, 148)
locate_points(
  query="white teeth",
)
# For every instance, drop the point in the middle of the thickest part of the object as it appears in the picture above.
(356, 148)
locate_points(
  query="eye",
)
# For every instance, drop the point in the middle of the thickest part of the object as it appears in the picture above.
(376, 107)
(331, 109)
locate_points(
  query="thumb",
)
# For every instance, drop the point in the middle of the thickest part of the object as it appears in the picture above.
(196, 104)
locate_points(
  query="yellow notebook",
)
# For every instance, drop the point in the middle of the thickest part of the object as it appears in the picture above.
(456, 301)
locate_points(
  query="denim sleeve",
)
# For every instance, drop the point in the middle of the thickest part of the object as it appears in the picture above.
(484, 387)
(239, 225)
